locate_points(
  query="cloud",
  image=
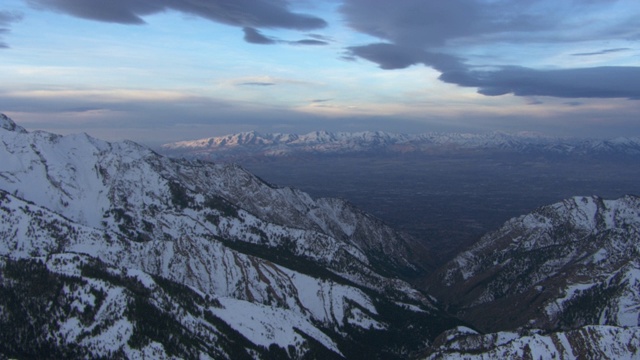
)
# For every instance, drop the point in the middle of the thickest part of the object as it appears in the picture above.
(152, 117)
(348, 56)
(247, 14)
(118, 11)
(3, 45)
(6, 19)
(596, 82)
(601, 52)
(534, 101)
(321, 37)
(254, 36)
(390, 56)
(308, 42)
(414, 23)
(439, 34)
(429, 24)
(263, 81)
(156, 117)
(250, 15)
(417, 32)
(255, 83)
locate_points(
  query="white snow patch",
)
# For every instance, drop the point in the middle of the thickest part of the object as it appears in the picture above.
(265, 325)
(410, 307)
(143, 277)
(558, 305)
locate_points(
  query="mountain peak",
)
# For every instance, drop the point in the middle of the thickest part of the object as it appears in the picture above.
(8, 124)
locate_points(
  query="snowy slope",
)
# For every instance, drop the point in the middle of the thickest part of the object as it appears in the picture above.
(566, 265)
(589, 342)
(86, 309)
(87, 180)
(288, 270)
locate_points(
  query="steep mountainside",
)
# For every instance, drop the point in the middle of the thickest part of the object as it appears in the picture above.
(115, 241)
(563, 266)
(252, 144)
(70, 305)
(588, 342)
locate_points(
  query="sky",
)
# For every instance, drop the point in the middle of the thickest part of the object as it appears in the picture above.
(169, 70)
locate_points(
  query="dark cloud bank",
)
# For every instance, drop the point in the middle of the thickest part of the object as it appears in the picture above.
(241, 13)
(6, 19)
(422, 32)
(250, 15)
(596, 82)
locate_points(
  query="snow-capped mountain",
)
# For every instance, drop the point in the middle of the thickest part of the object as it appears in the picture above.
(563, 266)
(109, 250)
(127, 240)
(253, 144)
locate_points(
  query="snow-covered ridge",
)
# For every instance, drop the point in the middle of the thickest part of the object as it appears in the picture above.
(86, 179)
(8, 124)
(569, 264)
(309, 266)
(588, 342)
(323, 142)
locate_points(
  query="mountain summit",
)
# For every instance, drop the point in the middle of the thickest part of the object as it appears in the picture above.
(7, 124)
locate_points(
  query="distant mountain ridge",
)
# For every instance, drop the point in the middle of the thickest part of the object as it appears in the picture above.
(322, 142)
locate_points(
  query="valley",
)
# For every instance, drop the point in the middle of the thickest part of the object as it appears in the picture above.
(449, 201)
(444, 189)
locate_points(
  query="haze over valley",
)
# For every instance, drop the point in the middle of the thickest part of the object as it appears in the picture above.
(445, 189)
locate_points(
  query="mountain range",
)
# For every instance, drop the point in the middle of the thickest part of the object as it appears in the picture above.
(252, 144)
(110, 250)
(109, 234)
